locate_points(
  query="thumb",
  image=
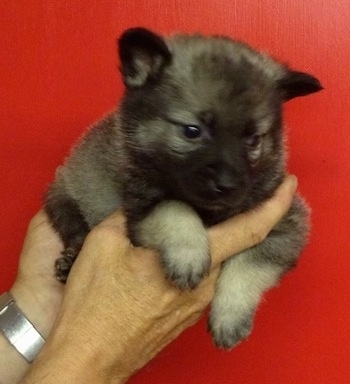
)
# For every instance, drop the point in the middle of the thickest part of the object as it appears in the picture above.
(252, 227)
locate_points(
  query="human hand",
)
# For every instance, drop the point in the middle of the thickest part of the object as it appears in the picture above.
(119, 311)
(36, 290)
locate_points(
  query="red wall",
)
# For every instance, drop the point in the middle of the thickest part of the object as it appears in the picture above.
(58, 74)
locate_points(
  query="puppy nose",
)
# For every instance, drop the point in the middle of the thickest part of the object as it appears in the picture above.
(224, 188)
(226, 183)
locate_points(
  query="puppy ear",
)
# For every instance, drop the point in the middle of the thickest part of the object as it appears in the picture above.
(143, 56)
(295, 84)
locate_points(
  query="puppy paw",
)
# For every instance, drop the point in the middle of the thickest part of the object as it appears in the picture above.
(64, 264)
(229, 332)
(177, 232)
(186, 267)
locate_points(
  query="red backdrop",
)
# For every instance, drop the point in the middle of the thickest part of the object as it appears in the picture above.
(58, 73)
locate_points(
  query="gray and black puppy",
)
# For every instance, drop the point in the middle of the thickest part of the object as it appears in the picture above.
(198, 138)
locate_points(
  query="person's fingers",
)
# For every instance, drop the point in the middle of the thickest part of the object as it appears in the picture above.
(250, 228)
(39, 218)
(117, 220)
(41, 239)
(40, 225)
(110, 234)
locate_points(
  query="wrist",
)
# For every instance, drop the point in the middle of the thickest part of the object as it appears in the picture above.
(18, 329)
(12, 364)
(19, 340)
(39, 311)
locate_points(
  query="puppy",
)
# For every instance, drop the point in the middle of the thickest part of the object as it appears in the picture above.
(198, 137)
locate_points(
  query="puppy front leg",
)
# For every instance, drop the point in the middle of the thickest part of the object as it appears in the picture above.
(239, 289)
(246, 277)
(177, 232)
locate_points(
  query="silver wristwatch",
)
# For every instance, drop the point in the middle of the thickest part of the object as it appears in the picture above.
(18, 330)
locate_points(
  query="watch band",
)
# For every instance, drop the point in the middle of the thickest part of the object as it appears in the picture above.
(18, 330)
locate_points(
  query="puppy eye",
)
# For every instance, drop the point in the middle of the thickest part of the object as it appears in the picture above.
(253, 141)
(191, 131)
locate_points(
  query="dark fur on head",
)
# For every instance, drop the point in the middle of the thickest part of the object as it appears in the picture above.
(209, 111)
(198, 138)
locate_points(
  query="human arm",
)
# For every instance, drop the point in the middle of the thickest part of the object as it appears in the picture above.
(37, 293)
(118, 310)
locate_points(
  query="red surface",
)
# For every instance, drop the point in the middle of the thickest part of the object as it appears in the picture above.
(58, 74)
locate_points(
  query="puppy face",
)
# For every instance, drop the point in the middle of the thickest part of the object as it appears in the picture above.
(206, 114)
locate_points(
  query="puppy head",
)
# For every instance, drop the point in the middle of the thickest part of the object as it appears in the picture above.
(206, 114)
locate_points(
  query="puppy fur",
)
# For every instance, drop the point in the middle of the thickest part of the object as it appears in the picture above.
(197, 138)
